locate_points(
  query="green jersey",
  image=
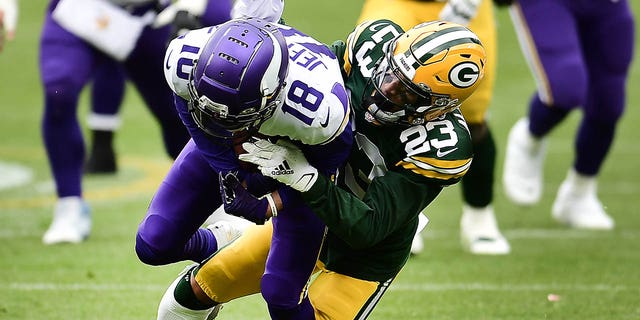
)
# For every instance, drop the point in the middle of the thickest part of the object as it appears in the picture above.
(392, 174)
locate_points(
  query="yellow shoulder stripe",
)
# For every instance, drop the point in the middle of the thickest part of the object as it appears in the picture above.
(436, 168)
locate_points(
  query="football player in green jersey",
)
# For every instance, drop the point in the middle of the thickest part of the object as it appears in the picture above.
(410, 142)
(479, 230)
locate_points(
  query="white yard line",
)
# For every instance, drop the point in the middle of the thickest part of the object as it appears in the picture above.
(14, 175)
(41, 286)
(513, 234)
(509, 287)
(432, 287)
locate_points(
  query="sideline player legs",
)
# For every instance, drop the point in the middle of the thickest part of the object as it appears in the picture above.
(585, 66)
(69, 52)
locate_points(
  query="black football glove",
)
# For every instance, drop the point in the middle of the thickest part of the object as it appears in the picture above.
(239, 202)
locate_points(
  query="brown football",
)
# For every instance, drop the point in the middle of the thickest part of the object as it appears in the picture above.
(237, 140)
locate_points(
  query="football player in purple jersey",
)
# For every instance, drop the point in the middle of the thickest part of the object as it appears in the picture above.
(71, 47)
(238, 80)
(579, 53)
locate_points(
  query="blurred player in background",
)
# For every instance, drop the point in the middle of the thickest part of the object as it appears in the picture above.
(410, 142)
(76, 36)
(107, 94)
(478, 227)
(579, 53)
(109, 80)
(8, 21)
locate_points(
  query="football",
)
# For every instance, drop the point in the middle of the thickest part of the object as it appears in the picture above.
(237, 140)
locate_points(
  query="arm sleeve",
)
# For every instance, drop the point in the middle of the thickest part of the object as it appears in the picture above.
(391, 200)
(217, 152)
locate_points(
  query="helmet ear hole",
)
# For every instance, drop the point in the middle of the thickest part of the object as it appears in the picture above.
(240, 72)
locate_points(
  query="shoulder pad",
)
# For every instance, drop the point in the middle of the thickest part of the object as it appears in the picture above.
(367, 42)
(180, 57)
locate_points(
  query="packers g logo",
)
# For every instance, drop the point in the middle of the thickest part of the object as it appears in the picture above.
(464, 74)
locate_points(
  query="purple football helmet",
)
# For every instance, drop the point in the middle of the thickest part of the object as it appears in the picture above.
(236, 82)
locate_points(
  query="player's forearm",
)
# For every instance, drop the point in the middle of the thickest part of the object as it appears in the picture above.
(344, 214)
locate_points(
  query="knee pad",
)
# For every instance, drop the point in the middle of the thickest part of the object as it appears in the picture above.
(154, 243)
(279, 291)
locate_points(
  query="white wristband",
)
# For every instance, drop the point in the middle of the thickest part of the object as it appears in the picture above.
(272, 205)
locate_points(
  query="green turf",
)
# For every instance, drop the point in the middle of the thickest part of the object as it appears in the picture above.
(595, 274)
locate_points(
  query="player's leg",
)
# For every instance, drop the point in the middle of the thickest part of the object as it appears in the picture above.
(232, 272)
(556, 63)
(171, 232)
(479, 232)
(65, 67)
(608, 56)
(144, 69)
(107, 92)
(297, 237)
(336, 296)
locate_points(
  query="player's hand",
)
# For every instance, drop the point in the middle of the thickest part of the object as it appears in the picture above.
(239, 202)
(189, 9)
(282, 161)
(460, 11)
(8, 20)
(269, 10)
(259, 185)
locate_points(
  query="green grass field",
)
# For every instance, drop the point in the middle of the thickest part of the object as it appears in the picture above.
(594, 273)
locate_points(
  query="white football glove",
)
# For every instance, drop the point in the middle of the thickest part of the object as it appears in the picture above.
(269, 10)
(166, 16)
(282, 161)
(460, 11)
(8, 19)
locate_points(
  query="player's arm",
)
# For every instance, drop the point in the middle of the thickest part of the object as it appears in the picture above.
(244, 199)
(460, 11)
(391, 200)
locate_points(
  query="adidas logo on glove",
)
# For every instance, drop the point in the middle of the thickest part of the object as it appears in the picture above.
(282, 169)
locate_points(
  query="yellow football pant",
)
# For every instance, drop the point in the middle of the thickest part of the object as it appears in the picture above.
(235, 271)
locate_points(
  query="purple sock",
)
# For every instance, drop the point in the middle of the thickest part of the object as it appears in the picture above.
(543, 118)
(592, 145)
(201, 245)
